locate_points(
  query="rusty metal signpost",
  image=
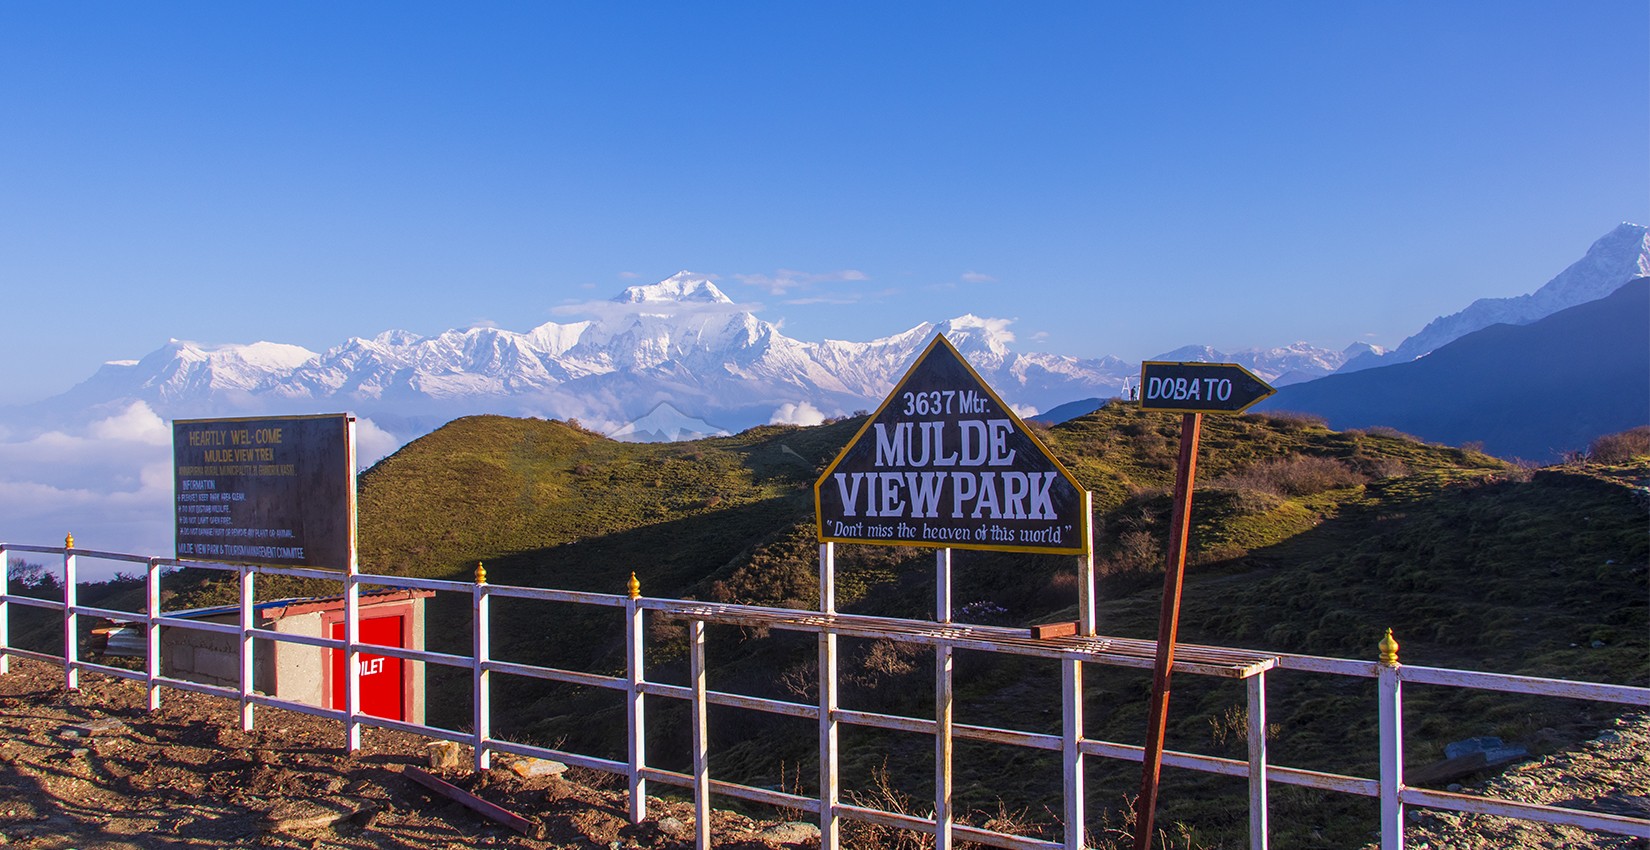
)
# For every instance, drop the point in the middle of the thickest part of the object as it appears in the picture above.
(1191, 389)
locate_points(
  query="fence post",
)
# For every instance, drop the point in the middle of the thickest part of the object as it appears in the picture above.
(1392, 745)
(1071, 681)
(943, 706)
(1258, 827)
(151, 610)
(5, 611)
(830, 826)
(635, 719)
(481, 686)
(1088, 620)
(352, 660)
(248, 578)
(701, 747)
(71, 619)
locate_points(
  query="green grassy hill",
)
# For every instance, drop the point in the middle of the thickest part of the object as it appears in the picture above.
(1304, 540)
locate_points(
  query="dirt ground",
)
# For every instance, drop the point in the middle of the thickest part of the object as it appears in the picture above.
(1609, 774)
(94, 770)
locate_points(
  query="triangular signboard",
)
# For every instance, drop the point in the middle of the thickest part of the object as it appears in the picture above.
(944, 463)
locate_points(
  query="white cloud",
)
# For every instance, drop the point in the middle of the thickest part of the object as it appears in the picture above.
(372, 443)
(800, 413)
(137, 423)
(784, 281)
(619, 314)
(108, 482)
(977, 277)
(1024, 411)
(855, 297)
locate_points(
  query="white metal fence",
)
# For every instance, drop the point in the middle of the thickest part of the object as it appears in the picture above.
(1070, 653)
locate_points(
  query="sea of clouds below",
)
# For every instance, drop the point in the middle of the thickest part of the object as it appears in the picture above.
(109, 483)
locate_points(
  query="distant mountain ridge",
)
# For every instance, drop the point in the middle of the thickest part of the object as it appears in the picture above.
(1617, 257)
(1529, 391)
(1282, 366)
(680, 342)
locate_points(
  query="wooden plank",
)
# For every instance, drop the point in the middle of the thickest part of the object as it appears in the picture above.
(1202, 660)
(1046, 631)
(498, 814)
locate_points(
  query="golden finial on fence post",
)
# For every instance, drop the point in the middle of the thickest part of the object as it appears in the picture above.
(68, 541)
(634, 586)
(1389, 650)
(481, 573)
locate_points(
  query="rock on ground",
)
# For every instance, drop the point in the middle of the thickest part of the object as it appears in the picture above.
(93, 769)
(1610, 774)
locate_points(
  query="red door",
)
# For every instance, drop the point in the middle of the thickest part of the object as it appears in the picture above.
(381, 685)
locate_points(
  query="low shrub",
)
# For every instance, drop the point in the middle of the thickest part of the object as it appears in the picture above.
(1621, 447)
(1298, 475)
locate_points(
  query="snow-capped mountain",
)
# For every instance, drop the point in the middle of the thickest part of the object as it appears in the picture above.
(1616, 258)
(685, 343)
(1290, 364)
(680, 342)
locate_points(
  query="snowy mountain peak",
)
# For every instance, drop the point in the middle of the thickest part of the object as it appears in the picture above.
(666, 424)
(1616, 258)
(1289, 364)
(396, 337)
(972, 333)
(681, 287)
(273, 356)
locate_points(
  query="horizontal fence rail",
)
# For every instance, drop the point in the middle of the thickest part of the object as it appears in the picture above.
(1072, 652)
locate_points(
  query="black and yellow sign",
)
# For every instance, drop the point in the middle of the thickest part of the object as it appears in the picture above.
(944, 463)
(1199, 387)
(277, 490)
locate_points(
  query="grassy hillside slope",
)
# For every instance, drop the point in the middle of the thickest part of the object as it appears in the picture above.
(1304, 540)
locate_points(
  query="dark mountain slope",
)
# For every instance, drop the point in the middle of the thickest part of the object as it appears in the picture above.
(1531, 391)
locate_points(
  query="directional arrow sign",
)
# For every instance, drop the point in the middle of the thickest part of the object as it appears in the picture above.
(1191, 389)
(1199, 387)
(943, 463)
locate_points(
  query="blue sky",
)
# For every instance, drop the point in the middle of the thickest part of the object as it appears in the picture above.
(1118, 178)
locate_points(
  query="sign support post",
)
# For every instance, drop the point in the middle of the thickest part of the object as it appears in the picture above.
(1168, 625)
(1088, 614)
(944, 699)
(945, 464)
(830, 826)
(1192, 389)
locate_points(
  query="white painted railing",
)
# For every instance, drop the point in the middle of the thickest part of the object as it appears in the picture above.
(1070, 653)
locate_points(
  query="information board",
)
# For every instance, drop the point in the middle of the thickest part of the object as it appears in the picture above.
(945, 463)
(277, 490)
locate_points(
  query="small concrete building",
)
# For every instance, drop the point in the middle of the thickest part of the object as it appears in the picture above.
(390, 687)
